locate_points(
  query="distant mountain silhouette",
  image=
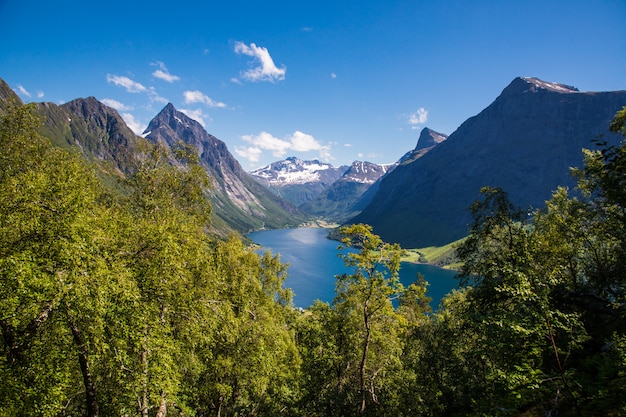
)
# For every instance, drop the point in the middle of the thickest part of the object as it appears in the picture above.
(524, 142)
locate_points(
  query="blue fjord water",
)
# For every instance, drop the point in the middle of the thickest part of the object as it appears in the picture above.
(313, 263)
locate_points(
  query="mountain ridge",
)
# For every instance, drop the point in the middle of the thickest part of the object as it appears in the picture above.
(237, 198)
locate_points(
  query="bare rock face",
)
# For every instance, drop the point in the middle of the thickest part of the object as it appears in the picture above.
(524, 142)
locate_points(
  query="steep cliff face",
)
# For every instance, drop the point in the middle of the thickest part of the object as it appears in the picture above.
(238, 199)
(524, 142)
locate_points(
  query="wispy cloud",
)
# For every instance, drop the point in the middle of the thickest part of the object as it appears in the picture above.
(154, 96)
(252, 154)
(333, 75)
(126, 83)
(132, 86)
(196, 115)
(199, 97)
(418, 118)
(163, 73)
(23, 91)
(263, 68)
(40, 94)
(116, 104)
(297, 142)
(134, 124)
(265, 141)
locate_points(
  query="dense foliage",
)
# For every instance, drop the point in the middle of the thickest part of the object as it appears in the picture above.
(124, 305)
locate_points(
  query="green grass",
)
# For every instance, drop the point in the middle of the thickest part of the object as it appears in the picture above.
(444, 256)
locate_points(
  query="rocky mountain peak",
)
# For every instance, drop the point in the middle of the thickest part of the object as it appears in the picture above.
(429, 138)
(521, 85)
(292, 171)
(426, 142)
(364, 172)
(7, 95)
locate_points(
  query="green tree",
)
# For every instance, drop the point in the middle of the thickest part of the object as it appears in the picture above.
(364, 301)
(56, 272)
(549, 291)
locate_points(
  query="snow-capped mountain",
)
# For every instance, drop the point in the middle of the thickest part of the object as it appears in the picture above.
(364, 172)
(298, 181)
(296, 171)
(343, 198)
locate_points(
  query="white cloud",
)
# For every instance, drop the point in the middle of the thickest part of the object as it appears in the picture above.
(196, 115)
(297, 142)
(268, 142)
(134, 124)
(163, 73)
(302, 142)
(333, 75)
(116, 104)
(125, 82)
(198, 97)
(154, 96)
(252, 154)
(22, 90)
(418, 118)
(264, 69)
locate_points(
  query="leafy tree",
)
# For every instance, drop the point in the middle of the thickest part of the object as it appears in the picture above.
(549, 291)
(56, 273)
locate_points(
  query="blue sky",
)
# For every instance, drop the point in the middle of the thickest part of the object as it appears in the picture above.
(333, 80)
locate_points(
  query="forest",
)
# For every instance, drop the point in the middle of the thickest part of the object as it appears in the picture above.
(115, 300)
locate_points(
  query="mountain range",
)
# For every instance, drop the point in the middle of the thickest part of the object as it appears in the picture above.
(524, 142)
(296, 180)
(319, 189)
(240, 204)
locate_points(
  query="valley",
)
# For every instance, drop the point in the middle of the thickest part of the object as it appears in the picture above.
(133, 284)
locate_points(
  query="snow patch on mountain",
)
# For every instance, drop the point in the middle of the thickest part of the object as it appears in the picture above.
(292, 171)
(562, 88)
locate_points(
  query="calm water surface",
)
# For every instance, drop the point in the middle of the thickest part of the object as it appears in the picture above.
(313, 264)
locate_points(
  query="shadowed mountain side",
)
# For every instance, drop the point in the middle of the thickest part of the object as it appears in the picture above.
(524, 142)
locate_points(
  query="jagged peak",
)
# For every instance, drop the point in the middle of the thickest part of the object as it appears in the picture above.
(169, 115)
(522, 85)
(429, 138)
(91, 106)
(90, 101)
(7, 94)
